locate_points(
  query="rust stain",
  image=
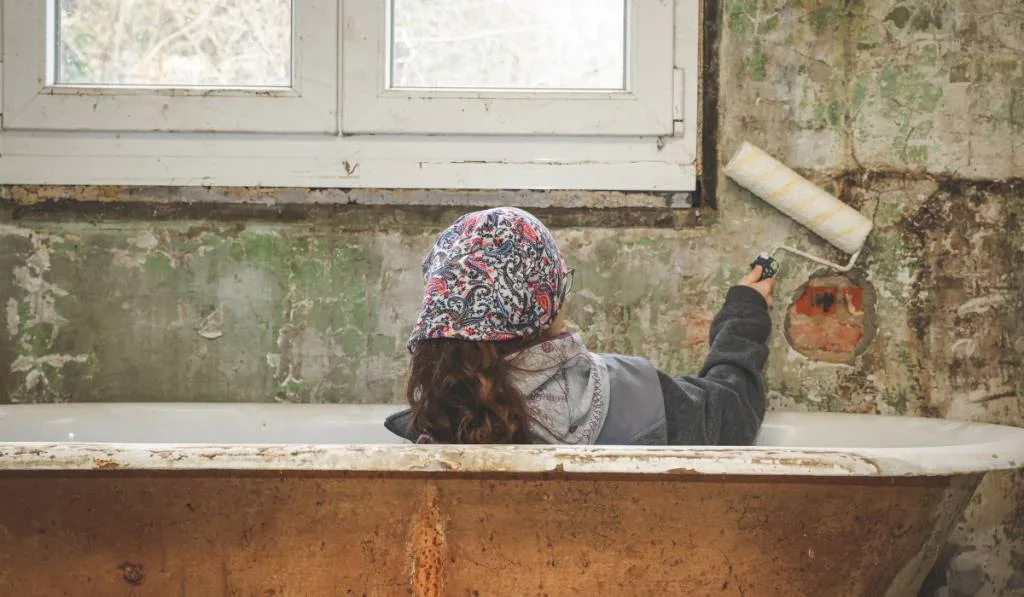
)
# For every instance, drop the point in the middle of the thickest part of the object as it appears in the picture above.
(763, 457)
(132, 573)
(683, 471)
(105, 465)
(508, 536)
(428, 547)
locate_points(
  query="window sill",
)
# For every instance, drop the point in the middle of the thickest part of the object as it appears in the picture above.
(372, 162)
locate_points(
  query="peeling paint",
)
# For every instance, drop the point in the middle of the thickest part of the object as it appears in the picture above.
(145, 240)
(14, 231)
(13, 320)
(25, 363)
(32, 317)
(363, 445)
(39, 370)
(981, 305)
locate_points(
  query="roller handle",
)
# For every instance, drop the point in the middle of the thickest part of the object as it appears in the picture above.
(768, 263)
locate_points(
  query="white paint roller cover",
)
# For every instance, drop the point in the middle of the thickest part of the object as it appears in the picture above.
(798, 198)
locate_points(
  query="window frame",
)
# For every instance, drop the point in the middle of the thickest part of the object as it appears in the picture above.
(156, 152)
(369, 105)
(32, 100)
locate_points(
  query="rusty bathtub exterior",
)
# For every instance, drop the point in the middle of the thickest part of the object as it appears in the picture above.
(256, 518)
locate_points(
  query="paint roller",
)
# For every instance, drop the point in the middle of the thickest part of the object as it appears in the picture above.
(831, 219)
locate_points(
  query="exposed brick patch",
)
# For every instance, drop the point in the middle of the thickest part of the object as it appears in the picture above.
(832, 319)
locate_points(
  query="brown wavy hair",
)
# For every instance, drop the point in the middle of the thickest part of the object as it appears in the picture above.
(461, 392)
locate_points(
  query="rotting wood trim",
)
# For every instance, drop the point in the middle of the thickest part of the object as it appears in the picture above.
(709, 91)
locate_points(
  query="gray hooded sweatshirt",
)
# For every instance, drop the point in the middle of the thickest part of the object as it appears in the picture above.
(578, 397)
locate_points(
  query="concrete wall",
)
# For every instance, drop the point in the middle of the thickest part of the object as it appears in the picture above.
(911, 111)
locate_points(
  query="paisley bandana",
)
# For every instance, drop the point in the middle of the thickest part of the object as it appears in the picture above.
(492, 276)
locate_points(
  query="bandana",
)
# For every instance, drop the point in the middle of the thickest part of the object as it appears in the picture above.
(492, 276)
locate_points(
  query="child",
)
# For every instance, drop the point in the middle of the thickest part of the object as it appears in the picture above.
(492, 361)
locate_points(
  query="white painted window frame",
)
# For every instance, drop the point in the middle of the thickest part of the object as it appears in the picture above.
(219, 153)
(33, 101)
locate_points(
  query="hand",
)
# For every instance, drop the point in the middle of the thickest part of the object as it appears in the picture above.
(764, 287)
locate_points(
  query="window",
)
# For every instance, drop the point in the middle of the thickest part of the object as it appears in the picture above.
(530, 44)
(536, 67)
(179, 65)
(574, 94)
(191, 44)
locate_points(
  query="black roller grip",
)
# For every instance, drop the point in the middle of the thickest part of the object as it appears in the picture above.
(770, 265)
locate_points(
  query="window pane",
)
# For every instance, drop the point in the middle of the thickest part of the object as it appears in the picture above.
(178, 43)
(509, 44)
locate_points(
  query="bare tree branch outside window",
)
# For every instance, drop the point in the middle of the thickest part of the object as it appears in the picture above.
(516, 44)
(182, 43)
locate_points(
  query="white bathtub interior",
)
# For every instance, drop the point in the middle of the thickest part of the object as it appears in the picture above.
(255, 423)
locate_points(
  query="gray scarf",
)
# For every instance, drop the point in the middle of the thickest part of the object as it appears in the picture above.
(566, 390)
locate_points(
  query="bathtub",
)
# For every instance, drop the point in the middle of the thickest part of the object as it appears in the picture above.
(276, 500)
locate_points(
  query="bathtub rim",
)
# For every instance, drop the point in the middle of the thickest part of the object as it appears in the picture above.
(409, 458)
(1004, 452)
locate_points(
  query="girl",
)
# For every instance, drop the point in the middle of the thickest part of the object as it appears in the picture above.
(492, 361)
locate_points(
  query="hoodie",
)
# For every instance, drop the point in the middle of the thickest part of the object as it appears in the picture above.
(578, 397)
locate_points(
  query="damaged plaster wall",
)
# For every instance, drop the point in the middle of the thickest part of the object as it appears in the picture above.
(911, 111)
